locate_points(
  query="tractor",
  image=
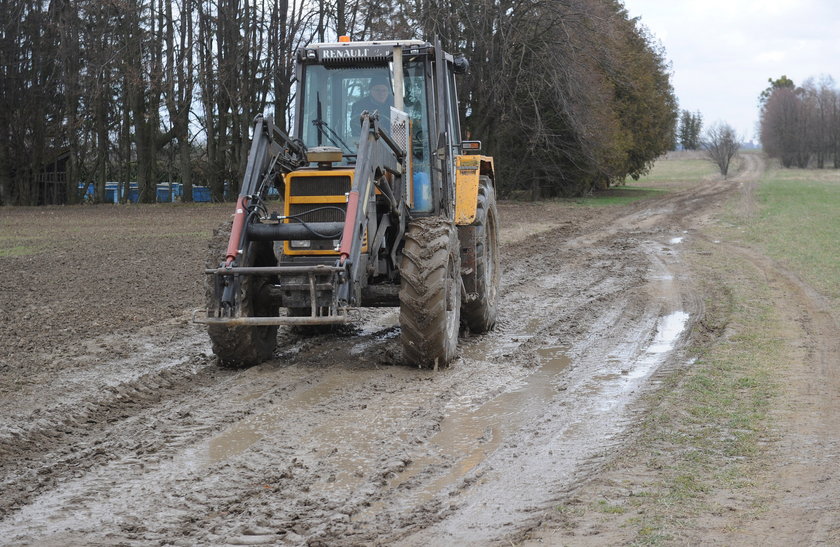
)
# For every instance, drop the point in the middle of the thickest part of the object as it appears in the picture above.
(367, 203)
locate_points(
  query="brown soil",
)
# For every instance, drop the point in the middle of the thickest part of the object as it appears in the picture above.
(119, 428)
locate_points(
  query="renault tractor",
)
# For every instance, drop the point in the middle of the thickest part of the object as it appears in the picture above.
(367, 203)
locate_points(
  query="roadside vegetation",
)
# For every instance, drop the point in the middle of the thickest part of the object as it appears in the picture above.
(798, 224)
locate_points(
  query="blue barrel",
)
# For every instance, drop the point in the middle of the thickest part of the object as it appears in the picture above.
(162, 193)
(201, 193)
(86, 191)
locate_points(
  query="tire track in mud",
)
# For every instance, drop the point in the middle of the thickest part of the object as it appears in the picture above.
(334, 441)
(809, 453)
(653, 326)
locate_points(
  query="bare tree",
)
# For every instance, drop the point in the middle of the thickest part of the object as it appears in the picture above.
(801, 124)
(721, 144)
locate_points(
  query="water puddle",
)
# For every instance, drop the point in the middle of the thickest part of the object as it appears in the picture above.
(615, 386)
(667, 332)
(466, 438)
(245, 433)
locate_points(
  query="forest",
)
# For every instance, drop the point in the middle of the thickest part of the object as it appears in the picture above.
(800, 125)
(568, 96)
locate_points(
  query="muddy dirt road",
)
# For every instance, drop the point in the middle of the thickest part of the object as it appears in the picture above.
(118, 427)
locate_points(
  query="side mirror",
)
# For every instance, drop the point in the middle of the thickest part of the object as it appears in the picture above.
(470, 146)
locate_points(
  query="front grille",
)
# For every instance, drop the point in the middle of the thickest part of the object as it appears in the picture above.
(319, 186)
(318, 212)
(331, 205)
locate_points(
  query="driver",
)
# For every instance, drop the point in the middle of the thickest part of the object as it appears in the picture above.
(379, 98)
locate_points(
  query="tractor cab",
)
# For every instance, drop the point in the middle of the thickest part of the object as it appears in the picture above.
(397, 80)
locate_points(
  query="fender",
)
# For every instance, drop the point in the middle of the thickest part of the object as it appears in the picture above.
(468, 169)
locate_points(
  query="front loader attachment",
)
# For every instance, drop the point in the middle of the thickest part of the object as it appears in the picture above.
(315, 290)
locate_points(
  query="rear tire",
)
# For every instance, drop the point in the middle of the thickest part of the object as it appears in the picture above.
(479, 315)
(430, 293)
(243, 346)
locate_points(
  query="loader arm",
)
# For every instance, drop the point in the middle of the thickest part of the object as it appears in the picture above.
(379, 161)
(273, 153)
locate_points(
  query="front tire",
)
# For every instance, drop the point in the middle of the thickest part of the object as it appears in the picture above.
(430, 293)
(243, 346)
(479, 314)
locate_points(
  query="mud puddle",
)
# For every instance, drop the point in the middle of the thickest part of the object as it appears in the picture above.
(467, 436)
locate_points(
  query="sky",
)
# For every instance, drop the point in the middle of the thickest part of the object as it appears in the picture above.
(723, 51)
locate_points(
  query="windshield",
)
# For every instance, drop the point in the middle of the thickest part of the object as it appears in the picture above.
(334, 98)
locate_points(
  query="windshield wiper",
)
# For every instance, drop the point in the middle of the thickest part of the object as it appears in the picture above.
(333, 137)
(327, 131)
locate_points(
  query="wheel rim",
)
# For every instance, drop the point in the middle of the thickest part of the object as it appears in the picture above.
(452, 302)
(491, 269)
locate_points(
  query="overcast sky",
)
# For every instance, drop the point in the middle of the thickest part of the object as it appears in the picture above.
(723, 51)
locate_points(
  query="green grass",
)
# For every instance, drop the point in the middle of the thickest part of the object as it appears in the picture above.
(604, 506)
(13, 246)
(798, 223)
(679, 168)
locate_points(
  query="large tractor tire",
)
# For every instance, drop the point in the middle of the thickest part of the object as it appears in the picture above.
(479, 314)
(243, 346)
(430, 293)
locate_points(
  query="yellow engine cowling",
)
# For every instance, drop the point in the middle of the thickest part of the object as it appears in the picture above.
(307, 191)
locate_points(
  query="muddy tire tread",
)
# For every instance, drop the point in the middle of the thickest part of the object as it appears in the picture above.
(240, 346)
(430, 252)
(480, 314)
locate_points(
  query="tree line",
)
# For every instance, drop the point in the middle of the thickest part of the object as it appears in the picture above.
(568, 96)
(800, 125)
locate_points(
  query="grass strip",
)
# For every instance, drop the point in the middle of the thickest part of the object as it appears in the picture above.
(798, 224)
(703, 439)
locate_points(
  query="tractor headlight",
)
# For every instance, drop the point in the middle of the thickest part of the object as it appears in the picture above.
(301, 243)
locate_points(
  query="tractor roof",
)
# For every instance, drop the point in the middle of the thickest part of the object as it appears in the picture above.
(360, 53)
(371, 43)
